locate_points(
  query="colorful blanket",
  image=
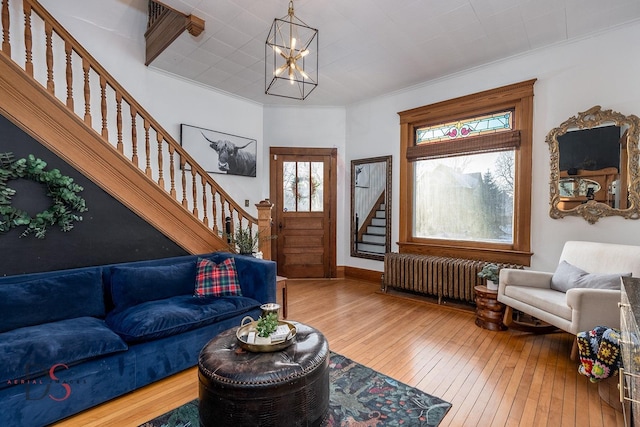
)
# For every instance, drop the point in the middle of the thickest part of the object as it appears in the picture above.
(599, 351)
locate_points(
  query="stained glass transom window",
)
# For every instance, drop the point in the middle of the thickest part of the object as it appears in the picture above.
(491, 123)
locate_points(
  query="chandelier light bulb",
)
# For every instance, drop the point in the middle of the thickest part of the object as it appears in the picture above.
(279, 70)
(301, 71)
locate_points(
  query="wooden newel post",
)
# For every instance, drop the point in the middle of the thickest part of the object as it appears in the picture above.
(264, 227)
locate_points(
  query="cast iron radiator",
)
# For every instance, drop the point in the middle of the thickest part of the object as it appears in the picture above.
(441, 277)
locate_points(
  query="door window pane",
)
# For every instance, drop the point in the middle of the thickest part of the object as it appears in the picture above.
(465, 197)
(317, 186)
(289, 186)
(303, 186)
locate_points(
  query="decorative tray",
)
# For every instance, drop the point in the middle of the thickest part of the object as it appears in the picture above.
(245, 329)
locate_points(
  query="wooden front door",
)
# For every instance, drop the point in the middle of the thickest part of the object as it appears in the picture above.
(303, 192)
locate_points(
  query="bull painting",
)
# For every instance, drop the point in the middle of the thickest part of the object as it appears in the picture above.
(233, 159)
(219, 152)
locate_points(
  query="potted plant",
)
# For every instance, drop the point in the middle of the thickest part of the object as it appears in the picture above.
(491, 272)
(244, 240)
(266, 325)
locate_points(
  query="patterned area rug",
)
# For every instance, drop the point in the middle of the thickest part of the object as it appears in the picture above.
(359, 396)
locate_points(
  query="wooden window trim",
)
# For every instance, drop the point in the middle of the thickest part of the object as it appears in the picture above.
(519, 97)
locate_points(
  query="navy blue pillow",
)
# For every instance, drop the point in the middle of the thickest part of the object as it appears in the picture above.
(32, 351)
(55, 298)
(134, 285)
(171, 316)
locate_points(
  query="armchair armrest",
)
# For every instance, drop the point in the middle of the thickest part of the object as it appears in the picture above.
(593, 307)
(531, 278)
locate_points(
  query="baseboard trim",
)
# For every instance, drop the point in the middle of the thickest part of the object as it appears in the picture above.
(362, 274)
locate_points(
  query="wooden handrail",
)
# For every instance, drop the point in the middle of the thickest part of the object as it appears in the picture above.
(193, 188)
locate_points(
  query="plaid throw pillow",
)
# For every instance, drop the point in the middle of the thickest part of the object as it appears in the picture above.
(219, 280)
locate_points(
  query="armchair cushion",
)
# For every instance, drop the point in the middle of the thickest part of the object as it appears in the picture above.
(569, 276)
(544, 299)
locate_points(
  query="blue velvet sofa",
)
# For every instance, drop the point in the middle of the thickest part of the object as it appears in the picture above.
(72, 339)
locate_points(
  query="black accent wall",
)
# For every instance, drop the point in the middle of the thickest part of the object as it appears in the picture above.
(109, 232)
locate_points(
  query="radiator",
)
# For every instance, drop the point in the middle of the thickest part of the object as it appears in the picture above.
(441, 277)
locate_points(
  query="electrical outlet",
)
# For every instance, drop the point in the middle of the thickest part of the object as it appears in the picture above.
(246, 203)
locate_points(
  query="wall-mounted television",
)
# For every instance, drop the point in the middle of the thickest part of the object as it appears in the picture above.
(590, 149)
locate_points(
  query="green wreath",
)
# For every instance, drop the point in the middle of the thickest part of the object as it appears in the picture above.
(60, 188)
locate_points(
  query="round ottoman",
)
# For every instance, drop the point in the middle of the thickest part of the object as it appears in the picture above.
(283, 388)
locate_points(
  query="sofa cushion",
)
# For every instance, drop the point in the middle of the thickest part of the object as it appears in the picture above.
(171, 316)
(218, 280)
(65, 296)
(31, 351)
(131, 286)
(569, 276)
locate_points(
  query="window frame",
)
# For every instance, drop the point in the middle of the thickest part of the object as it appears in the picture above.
(517, 97)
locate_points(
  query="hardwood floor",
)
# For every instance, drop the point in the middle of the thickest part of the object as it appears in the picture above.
(506, 378)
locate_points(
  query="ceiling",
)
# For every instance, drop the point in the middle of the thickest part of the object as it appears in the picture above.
(368, 48)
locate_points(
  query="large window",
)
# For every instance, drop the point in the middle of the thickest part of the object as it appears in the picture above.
(466, 176)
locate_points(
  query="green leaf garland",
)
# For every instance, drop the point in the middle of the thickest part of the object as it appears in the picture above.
(60, 188)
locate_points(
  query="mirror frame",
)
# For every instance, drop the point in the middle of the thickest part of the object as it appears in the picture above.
(387, 207)
(592, 210)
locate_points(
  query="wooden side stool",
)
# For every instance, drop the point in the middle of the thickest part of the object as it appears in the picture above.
(489, 312)
(281, 294)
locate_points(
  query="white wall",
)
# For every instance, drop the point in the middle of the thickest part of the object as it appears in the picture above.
(572, 77)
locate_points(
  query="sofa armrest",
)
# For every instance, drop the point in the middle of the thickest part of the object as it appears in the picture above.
(531, 278)
(593, 307)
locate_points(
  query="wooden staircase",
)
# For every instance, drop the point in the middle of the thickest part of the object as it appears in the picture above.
(372, 234)
(120, 147)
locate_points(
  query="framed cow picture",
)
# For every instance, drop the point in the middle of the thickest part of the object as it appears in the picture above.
(219, 152)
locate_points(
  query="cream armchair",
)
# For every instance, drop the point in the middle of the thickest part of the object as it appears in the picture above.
(579, 309)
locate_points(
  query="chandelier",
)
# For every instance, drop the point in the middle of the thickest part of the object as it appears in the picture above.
(291, 58)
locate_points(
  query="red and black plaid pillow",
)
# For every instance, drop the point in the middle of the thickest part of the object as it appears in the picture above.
(219, 280)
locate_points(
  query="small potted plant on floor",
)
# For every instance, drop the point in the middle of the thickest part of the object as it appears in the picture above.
(244, 240)
(491, 272)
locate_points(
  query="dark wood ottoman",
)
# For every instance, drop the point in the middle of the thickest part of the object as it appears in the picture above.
(283, 388)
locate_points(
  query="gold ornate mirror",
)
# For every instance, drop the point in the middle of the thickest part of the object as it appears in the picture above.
(594, 166)
(371, 207)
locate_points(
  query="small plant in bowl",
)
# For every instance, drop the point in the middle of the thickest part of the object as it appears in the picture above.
(491, 272)
(266, 325)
